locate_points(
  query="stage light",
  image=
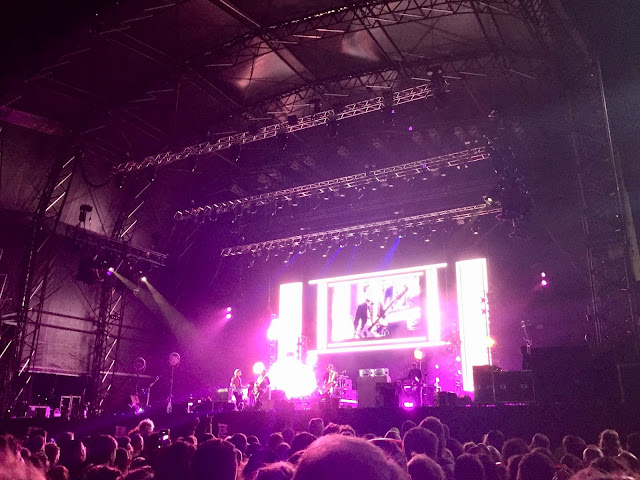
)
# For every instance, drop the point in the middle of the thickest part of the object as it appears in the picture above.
(273, 332)
(294, 378)
(418, 354)
(544, 283)
(408, 405)
(258, 367)
(312, 359)
(228, 309)
(458, 358)
(228, 316)
(543, 274)
(143, 279)
(111, 269)
(490, 342)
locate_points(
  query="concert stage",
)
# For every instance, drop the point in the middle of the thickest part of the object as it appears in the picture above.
(466, 423)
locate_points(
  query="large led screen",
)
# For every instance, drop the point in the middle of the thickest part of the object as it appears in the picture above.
(380, 310)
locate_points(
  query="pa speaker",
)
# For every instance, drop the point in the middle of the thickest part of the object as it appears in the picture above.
(562, 374)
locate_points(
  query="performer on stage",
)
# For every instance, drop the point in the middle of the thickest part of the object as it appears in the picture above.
(415, 375)
(330, 381)
(261, 388)
(236, 388)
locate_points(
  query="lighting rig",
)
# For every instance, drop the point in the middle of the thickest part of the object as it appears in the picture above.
(359, 233)
(322, 118)
(380, 176)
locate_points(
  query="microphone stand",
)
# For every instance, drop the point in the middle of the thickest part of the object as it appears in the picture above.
(149, 390)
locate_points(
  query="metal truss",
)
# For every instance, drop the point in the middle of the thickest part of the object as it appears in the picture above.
(38, 261)
(396, 224)
(106, 344)
(124, 225)
(352, 18)
(310, 121)
(351, 181)
(612, 305)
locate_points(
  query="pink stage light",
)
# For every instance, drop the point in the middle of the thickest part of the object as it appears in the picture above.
(228, 316)
(544, 283)
(433, 304)
(290, 316)
(258, 367)
(273, 332)
(408, 405)
(370, 346)
(228, 309)
(294, 378)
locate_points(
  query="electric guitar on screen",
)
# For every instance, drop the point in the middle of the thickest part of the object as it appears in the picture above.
(380, 328)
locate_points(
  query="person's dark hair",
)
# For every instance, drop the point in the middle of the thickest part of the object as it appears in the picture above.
(591, 453)
(259, 459)
(540, 440)
(239, 440)
(467, 446)
(512, 466)
(72, 453)
(495, 438)
(514, 446)
(102, 472)
(102, 450)
(543, 451)
(316, 426)
(137, 442)
(480, 449)
(288, 434)
(468, 467)
(142, 473)
(630, 461)
(633, 443)
(340, 457)
(347, 430)
(205, 436)
(608, 465)
(392, 450)
(572, 462)
(419, 440)
(253, 440)
(536, 466)
(393, 434)
(174, 461)
(435, 425)
(406, 426)
(574, 445)
(490, 468)
(283, 451)
(455, 447)
(58, 473)
(422, 467)
(276, 471)
(123, 460)
(214, 460)
(275, 439)
(369, 436)
(52, 451)
(123, 442)
(331, 428)
(609, 443)
(301, 441)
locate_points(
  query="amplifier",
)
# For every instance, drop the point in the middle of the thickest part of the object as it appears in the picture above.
(514, 386)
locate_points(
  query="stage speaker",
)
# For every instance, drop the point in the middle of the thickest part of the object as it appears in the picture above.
(483, 385)
(628, 375)
(562, 374)
(386, 395)
(222, 395)
(369, 396)
(513, 386)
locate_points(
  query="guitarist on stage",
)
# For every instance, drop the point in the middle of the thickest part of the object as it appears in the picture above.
(261, 387)
(236, 388)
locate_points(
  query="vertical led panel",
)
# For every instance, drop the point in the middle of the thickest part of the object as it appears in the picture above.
(290, 319)
(322, 333)
(473, 316)
(433, 305)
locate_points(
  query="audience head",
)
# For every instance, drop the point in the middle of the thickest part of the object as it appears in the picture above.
(435, 425)
(316, 426)
(73, 453)
(58, 473)
(142, 473)
(393, 434)
(494, 438)
(536, 466)
(392, 450)
(122, 460)
(406, 426)
(422, 467)
(102, 450)
(591, 453)
(102, 472)
(329, 429)
(572, 462)
(468, 467)
(145, 427)
(633, 443)
(252, 440)
(419, 440)
(301, 441)
(514, 446)
(608, 465)
(609, 443)
(574, 445)
(540, 440)
(288, 434)
(283, 451)
(630, 461)
(239, 440)
(275, 439)
(276, 471)
(512, 466)
(52, 451)
(137, 443)
(342, 457)
(347, 430)
(214, 460)
(174, 461)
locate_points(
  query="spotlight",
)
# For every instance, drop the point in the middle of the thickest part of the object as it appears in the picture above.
(228, 316)
(143, 279)
(258, 367)
(228, 309)
(544, 283)
(490, 342)
(543, 275)
(111, 269)
(418, 354)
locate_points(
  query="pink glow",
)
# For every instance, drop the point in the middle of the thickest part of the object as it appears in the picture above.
(228, 316)
(258, 367)
(322, 319)
(294, 378)
(372, 347)
(407, 404)
(544, 283)
(290, 323)
(473, 315)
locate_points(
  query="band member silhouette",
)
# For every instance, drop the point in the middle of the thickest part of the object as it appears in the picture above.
(236, 388)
